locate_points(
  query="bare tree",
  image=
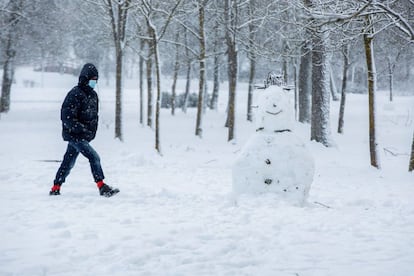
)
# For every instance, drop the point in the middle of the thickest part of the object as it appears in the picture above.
(12, 13)
(149, 11)
(118, 14)
(369, 52)
(391, 66)
(230, 17)
(202, 67)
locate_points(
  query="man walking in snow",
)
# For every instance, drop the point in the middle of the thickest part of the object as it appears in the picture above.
(79, 115)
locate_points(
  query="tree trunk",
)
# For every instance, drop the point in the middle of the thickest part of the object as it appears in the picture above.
(205, 96)
(153, 34)
(216, 69)
(411, 165)
(175, 76)
(332, 85)
(232, 65)
(141, 84)
(285, 63)
(390, 78)
(216, 83)
(118, 93)
(10, 39)
(305, 83)
(305, 74)
(343, 90)
(201, 84)
(8, 74)
(231, 110)
(320, 127)
(188, 74)
(252, 59)
(252, 76)
(369, 53)
(118, 19)
(295, 81)
(149, 88)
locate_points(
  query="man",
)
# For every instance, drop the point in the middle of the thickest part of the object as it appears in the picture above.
(79, 115)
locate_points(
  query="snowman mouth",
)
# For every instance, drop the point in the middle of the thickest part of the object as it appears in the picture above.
(274, 113)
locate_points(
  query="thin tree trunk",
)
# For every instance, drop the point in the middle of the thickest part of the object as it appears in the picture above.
(252, 77)
(411, 164)
(153, 34)
(232, 64)
(118, 93)
(201, 84)
(305, 83)
(369, 53)
(175, 76)
(188, 74)
(158, 103)
(118, 23)
(344, 88)
(305, 75)
(149, 88)
(216, 83)
(8, 74)
(285, 63)
(295, 81)
(141, 84)
(334, 90)
(216, 69)
(252, 59)
(205, 96)
(187, 87)
(390, 78)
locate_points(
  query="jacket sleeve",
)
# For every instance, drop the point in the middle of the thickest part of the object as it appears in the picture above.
(69, 114)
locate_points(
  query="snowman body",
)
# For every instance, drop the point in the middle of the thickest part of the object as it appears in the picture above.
(274, 159)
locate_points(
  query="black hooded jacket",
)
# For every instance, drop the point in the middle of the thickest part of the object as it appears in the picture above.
(79, 113)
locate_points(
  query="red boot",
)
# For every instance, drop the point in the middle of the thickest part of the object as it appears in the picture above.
(55, 190)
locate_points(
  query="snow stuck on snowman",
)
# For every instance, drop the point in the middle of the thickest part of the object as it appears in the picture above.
(274, 159)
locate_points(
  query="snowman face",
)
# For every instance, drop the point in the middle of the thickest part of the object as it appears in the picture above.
(276, 103)
(275, 112)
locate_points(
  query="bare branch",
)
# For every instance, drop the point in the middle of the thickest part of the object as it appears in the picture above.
(399, 20)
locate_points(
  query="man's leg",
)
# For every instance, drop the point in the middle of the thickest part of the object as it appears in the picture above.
(67, 164)
(86, 149)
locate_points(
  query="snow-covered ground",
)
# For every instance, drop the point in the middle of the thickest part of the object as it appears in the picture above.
(176, 215)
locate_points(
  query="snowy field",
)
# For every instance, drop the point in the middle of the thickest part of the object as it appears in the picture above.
(176, 215)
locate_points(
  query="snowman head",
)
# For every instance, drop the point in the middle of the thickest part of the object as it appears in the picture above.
(274, 110)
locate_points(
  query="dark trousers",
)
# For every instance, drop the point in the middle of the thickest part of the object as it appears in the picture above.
(69, 159)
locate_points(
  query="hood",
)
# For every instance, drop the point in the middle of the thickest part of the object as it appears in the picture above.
(88, 72)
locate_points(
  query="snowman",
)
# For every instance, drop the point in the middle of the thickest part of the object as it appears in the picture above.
(274, 159)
